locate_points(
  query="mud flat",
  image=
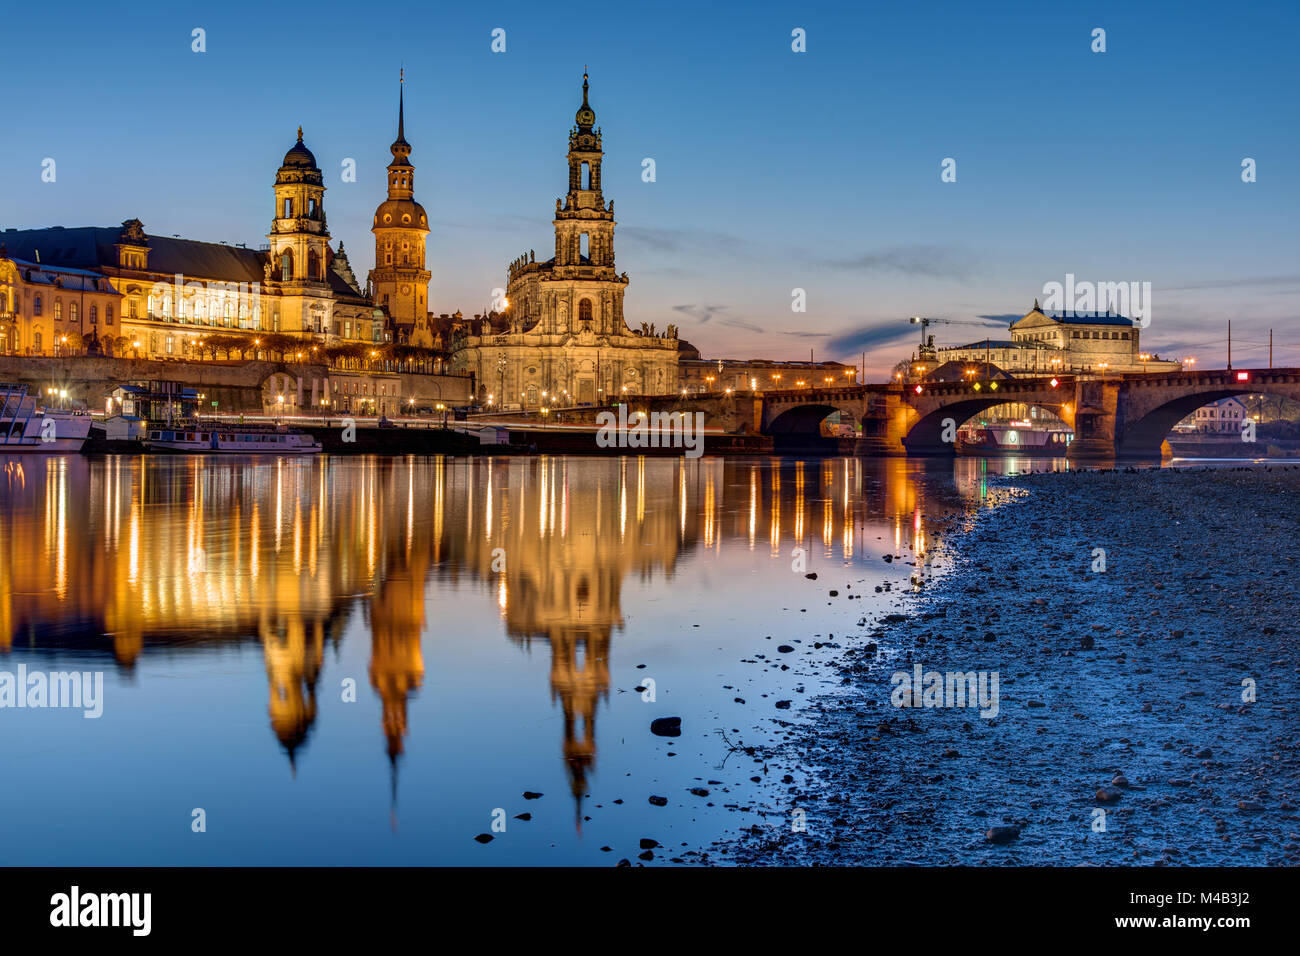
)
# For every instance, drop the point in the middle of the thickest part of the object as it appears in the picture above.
(1125, 731)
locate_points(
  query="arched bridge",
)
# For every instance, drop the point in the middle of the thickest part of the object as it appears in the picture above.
(1113, 416)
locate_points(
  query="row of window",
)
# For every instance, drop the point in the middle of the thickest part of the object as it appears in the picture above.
(74, 314)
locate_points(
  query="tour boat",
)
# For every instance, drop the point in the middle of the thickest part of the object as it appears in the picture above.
(213, 438)
(24, 428)
(1018, 437)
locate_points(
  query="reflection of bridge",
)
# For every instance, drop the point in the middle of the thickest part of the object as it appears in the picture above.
(1123, 415)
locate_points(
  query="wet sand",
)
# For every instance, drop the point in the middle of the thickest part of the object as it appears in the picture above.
(1120, 690)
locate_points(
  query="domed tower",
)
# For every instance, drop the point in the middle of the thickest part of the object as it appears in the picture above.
(399, 281)
(299, 235)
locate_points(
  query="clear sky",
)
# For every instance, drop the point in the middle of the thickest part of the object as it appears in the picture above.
(775, 170)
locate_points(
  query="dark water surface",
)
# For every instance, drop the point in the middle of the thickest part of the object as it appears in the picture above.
(362, 660)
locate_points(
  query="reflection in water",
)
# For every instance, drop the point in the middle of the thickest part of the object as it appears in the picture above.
(124, 554)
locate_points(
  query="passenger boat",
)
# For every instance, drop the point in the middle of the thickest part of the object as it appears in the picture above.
(215, 438)
(27, 429)
(1023, 437)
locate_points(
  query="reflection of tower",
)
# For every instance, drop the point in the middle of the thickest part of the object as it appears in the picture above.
(396, 623)
(293, 663)
(579, 678)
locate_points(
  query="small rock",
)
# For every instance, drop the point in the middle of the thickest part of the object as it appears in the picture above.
(1001, 834)
(666, 727)
(659, 801)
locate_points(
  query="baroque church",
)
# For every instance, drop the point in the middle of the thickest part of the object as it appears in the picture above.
(561, 337)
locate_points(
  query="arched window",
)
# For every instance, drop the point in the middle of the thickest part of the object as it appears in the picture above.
(584, 175)
(584, 310)
(286, 266)
(72, 312)
(58, 310)
(288, 209)
(94, 315)
(313, 265)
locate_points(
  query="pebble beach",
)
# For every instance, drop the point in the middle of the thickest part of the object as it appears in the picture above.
(1143, 628)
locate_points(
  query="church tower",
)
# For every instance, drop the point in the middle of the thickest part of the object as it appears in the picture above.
(299, 245)
(399, 280)
(584, 225)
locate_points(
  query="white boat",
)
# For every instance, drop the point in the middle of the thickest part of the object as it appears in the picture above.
(215, 438)
(27, 429)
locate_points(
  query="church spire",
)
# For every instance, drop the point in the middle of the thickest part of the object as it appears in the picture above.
(586, 116)
(401, 149)
(401, 105)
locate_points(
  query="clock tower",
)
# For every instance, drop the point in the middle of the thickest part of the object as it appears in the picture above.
(399, 280)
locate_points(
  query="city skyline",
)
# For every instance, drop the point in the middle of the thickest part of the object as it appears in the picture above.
(709, 244)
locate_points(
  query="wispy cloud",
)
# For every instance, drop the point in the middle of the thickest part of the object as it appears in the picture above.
(700, 313)
(1243, 282)
(693, 241)
(869, 337)
(934, 261)
(706, 313)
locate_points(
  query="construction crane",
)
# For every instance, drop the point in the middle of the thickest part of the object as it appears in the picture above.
(927, 352)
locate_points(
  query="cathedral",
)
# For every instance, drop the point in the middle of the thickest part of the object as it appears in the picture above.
(560, 337)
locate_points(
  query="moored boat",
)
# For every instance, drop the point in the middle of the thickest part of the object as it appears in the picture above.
(215, 438)
(1014, 437)
(26, 429)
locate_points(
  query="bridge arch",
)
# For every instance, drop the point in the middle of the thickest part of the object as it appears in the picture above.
(1146, 429)
(806, 419)
(925, 435)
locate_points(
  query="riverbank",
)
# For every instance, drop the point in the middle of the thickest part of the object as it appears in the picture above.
(1126, 729)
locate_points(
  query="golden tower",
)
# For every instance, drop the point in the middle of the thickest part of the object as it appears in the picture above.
(399, 281)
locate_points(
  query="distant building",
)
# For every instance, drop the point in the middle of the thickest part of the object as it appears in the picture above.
(1066, 343)
(1222, 417)
(697, 375)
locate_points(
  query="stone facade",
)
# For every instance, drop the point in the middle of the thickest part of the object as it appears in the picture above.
(560, 336)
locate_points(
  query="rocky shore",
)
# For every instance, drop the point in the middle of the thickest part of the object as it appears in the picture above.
(1144, 629)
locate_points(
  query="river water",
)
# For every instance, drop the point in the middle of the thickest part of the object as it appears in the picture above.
(368, 660)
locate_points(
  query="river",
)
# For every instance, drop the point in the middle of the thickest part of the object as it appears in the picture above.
(369, 660)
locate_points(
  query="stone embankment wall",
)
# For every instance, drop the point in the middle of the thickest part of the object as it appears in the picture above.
(235, 386)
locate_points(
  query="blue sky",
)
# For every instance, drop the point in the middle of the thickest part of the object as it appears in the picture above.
(775, 170)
